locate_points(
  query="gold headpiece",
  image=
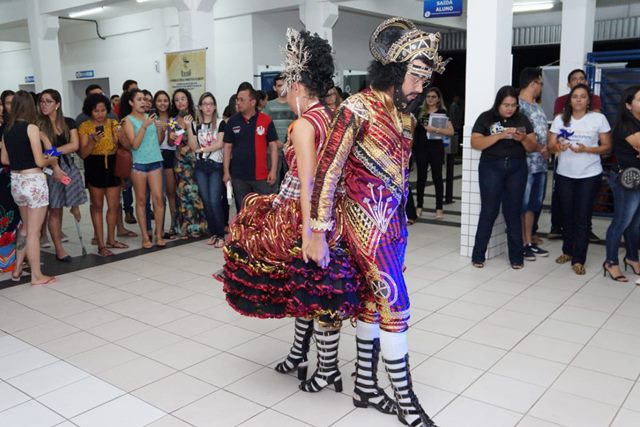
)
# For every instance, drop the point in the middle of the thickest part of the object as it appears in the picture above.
(413, 43)
(296, 58)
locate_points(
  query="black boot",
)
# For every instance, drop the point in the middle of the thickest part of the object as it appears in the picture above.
(366, 391)
(297, 357)
(409, 410)
(327, 372)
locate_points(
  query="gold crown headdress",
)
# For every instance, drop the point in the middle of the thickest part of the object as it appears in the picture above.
(296, 58)
(412, 44)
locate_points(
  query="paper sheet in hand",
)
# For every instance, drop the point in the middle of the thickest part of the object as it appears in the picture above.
(437, 120)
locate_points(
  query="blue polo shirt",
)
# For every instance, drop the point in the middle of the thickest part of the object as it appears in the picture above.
(250, 145)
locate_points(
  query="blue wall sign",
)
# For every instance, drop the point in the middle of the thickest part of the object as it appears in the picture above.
(442, 8)
(85, 74)
(29, 79)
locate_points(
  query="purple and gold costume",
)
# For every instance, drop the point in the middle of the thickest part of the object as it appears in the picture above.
(368, 147)
(264, 275)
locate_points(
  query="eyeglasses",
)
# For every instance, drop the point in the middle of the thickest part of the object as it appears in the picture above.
(208, 104)
(432, 96)
(421, 80)
(47, 101)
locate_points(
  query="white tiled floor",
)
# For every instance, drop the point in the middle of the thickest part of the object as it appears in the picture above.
(150, 341)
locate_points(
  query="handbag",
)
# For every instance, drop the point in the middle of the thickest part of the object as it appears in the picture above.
(629, 178)
(124, 162)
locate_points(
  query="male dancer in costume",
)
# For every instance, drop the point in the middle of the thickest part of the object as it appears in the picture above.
(368, 147)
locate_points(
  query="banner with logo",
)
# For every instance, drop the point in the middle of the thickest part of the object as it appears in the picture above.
(442, 8)
(186, 70)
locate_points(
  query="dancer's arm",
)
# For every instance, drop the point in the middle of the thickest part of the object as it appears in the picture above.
(303, 138)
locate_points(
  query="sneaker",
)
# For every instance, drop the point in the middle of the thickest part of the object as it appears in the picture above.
(537, 251)
(555, 234)
(593, 238)
(528, 254)
(129, 218)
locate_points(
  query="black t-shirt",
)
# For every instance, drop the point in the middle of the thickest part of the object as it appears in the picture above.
(420, 140)
(490, 124)
(62, 139)
(625, 153)
(221, 126)
(18, 146)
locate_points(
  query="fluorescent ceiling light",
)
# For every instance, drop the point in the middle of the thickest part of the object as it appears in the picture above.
(532, 7)
(142, 1)
(86, 12)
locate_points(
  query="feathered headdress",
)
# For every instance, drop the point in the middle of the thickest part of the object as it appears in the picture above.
(296, 58)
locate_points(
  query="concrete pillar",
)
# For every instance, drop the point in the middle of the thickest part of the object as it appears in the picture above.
(45, 50)
(196, 28)
(489, 62)
(319, 16)
(578, 21)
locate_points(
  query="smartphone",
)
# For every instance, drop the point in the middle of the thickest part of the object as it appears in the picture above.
(183, 113)
(100, 129)
(521, 129)
(153, 111)
(65, 180)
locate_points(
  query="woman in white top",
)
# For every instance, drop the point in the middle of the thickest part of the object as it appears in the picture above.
(208, 170)
(579, 136)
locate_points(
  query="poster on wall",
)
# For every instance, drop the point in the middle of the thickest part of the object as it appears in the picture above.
(186, 70)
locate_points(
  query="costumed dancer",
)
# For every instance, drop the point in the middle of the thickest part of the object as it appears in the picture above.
(264, 273)
(368, 149)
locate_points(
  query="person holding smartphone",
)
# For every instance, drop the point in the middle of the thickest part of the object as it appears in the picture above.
(22, 151)
(142, 134)
(98, 144)
(504, 136)
(190, 211)
(161, 107)
(60, 133)
(579, 136)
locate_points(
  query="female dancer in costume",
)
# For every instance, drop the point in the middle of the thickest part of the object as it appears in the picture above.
(264, 274)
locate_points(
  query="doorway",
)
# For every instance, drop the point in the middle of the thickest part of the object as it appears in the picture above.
(77, 88)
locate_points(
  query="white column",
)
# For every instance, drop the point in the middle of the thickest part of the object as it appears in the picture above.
(578, 21)
(196, 28)
(45, 51)
(489, 61)
(319, 16)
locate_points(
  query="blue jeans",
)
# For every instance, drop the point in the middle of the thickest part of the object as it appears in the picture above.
(534, 192)
(576, 197)
(626, 221)
(502, 182)
(209, 179)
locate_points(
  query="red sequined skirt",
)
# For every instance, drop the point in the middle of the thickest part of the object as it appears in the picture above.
(265, 276)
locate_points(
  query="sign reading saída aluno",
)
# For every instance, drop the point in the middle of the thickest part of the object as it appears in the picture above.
(442, 8)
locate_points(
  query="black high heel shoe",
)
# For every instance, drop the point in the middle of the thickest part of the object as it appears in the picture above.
(297, 357)
(628, 264)
(621, 278)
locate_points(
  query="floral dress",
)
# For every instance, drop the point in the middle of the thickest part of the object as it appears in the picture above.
(190, 217)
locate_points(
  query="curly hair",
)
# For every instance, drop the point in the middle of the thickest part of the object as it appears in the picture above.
(383, 77)
(91, 101)
(318, 76)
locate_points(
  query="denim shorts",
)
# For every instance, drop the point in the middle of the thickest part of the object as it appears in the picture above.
(534, 192)
(147, 167)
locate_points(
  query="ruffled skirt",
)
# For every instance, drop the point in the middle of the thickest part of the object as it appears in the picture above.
(265, 276)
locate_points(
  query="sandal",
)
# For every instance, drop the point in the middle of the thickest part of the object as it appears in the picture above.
(478, 264)
(103, 251)
(49, 281)
(219, 243)
(606, 266)
(16, 277)
(117, 245)
(160, 242)
(563, 259)
(517, 266)
(128, 233)
(146, 244)
(579, 269)
(212, 240)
